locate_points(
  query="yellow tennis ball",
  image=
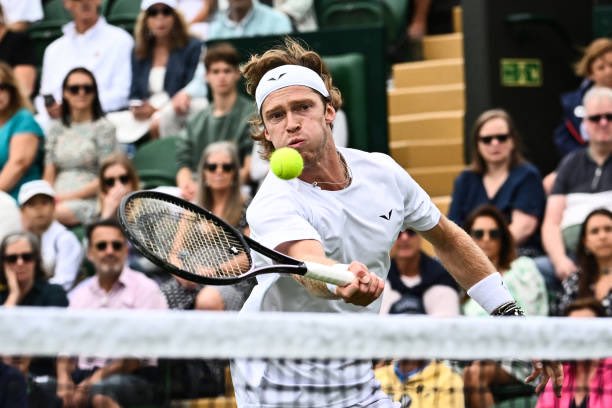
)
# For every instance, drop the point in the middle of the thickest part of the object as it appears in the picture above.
(286, 163)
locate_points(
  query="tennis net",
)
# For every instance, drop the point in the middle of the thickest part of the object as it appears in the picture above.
(181, 358)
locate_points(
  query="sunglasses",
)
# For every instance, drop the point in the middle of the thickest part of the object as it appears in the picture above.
(212, 167)
(479, 234)
(597, 118)
(409, 232)
(26, 257)
(488, 139)
(5, 87)
(110, 181)
(102, 245)
(86, 88)
(155, 11)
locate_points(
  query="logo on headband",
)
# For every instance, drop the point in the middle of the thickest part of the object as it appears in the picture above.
(276, 79)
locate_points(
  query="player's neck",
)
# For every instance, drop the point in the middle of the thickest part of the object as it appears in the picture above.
(331, 172)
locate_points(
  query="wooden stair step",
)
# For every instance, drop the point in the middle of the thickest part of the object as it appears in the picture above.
(426, 125)
(426, 99)
(443, 46)
(427, 153)
(432, 72)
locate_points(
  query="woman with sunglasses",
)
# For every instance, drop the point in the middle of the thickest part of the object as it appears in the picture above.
(75, 146)
(219, 191)
(21, 138)
(117, 177)
(500, 176)
(487, 227)
(164, 60)
(594, 260)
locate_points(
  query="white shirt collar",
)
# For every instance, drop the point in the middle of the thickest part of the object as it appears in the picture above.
(69, 29)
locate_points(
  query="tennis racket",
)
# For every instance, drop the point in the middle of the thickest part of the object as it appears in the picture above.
(194, 244)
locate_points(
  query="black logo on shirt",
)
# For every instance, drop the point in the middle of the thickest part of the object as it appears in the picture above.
(386, 216)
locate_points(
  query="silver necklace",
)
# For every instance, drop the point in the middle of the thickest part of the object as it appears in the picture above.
(348, 178)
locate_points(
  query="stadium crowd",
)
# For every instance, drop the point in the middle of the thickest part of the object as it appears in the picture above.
(66, 148)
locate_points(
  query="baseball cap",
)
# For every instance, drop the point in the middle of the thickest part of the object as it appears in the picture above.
(32, 188)
(148, 3)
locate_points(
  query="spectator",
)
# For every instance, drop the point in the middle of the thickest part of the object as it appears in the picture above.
(227, 118)
(164, 60)
(75, 147)
(117, 177)
(301, 13)
(16, 50)
(11, 218)
(62, 253)
(24, 283)
(21, 13)
(487, 227)
(219, 192)
(21, 139)
(583, 183)
(248, 18)
(588, 383)
(198, 14)
(13, 387)
(594, 258)
(499, 175)
(90, 42)
(101, 382)
(595, 67)
(417, 283)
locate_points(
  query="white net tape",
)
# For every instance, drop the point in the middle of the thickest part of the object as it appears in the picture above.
(181, 334)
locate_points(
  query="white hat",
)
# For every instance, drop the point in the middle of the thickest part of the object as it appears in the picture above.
(148, 3)
(32, 188)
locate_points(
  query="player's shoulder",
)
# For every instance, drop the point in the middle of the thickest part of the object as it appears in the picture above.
(361, 157)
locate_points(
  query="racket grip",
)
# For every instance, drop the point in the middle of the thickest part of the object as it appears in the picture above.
(337, 274)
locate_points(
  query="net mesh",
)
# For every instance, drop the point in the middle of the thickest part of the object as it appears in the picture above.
(182, 358)
(179, 236)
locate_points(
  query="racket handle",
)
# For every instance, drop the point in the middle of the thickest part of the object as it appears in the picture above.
(337, 274)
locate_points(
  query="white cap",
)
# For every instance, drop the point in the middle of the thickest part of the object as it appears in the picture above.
(148, 3)
(288, 75)
(32, 188)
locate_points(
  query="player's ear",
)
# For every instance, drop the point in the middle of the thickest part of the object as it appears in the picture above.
(330, 113)
(266, 134)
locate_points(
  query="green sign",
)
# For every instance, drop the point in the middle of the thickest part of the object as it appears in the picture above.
(521, 72)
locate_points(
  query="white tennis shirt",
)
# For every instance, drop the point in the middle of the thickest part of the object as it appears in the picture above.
(358, 223)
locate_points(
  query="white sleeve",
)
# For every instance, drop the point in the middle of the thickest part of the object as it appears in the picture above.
(68, 260)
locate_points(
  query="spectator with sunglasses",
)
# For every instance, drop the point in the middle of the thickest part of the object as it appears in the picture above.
(500, 176)
(117, 177)
(21, 138)
(23, 283)
(164, 61)
(114, 382)
(487, 227)
(219, 190)
(75, 146)
(583, 183)
(61, 250)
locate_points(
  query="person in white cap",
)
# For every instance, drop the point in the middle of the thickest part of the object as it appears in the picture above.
(347, 206)
(62, 252)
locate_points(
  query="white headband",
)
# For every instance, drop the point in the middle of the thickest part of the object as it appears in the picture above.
(288, 75)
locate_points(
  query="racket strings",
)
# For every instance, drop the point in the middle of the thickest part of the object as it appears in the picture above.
(187, 239)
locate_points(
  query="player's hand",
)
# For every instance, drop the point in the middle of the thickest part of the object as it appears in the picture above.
(564, 268)
(365, 288)
(548, 370)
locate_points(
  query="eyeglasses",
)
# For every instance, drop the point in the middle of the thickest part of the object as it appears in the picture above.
(597, 118)
(102, 245)
(488, 139)
(409, 232)
(86, 88)
(479, 234)
(155, 11)
(5, 87)
(26, 257)
(212, 167)
(110, 181)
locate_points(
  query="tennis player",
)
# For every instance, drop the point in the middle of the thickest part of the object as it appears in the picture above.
(347, 207)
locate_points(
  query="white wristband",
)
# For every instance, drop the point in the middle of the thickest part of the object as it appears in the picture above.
(490, 292)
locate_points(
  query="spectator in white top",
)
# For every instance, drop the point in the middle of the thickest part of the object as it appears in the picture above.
(61, 251)
(300, 12)
(10, 220)
(20, 13)
(88, 41)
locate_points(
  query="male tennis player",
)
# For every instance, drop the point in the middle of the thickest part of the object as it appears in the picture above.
(346, 207)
